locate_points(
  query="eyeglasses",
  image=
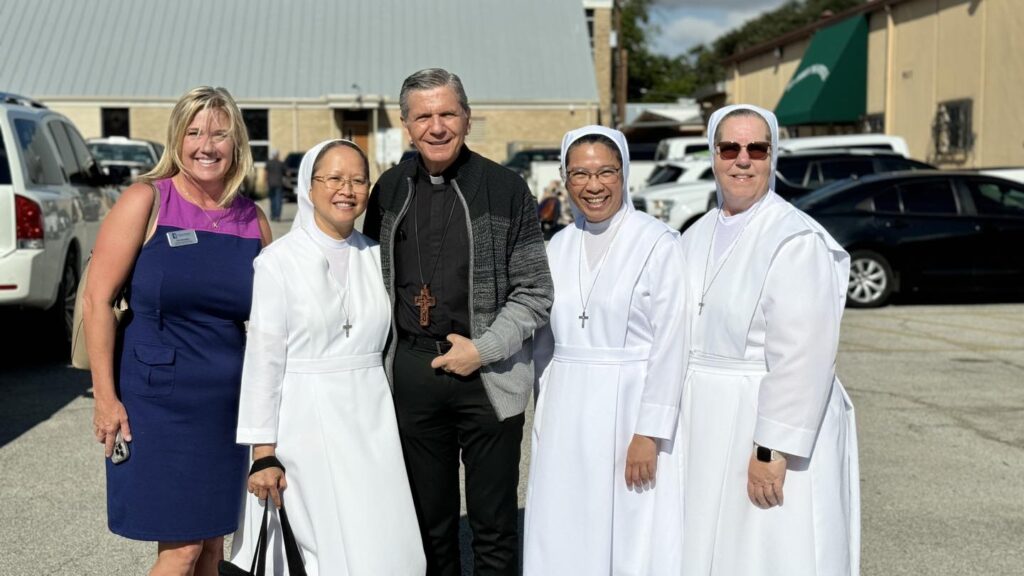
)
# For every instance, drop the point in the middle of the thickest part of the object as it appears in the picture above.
(334, 183)
(581, 177)
(731, 150)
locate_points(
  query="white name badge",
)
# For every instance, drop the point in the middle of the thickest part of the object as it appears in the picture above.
(182, 238)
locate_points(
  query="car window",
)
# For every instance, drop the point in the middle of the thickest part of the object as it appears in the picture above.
(67, 155)
(642, 151)
(842, 168)
(996, 199)
(122, 153)
(709, 174)
(695, 149)
(85, 158)
(5, 167)
(888, 200)
(928, 197)
(663, 174)
(41, 165)
(793, 169)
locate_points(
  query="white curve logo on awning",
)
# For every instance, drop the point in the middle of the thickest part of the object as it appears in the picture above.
(819, 70)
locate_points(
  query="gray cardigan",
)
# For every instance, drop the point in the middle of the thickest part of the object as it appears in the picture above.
(509, 281)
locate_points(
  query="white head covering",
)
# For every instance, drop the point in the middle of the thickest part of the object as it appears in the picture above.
(304, 183)
(773, 128)
(615, 136)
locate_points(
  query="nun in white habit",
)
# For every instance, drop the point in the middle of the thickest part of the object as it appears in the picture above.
(769, 441)
(603, 494)
(314, 394)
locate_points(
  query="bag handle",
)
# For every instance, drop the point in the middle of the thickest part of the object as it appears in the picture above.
(291, 547)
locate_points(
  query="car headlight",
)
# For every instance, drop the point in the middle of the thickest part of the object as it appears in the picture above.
(660, 208)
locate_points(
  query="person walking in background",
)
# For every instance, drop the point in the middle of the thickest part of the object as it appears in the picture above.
(275, 183)
(771, 483)
(463, 260)
(603, 495)
(169, 385)
(315, 402)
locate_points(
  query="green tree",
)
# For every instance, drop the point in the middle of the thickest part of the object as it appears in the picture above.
(651, 77)
(659, 78)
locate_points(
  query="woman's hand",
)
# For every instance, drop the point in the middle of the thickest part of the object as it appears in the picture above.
(764, 481)
(269, 481)
(109, 417)
(641, 462)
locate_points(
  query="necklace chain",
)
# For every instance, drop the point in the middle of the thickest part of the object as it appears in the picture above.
(214, 223)
(585, 302)
(705, 286)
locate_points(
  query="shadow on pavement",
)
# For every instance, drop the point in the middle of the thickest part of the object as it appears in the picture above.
(933, 299)
(35, 377)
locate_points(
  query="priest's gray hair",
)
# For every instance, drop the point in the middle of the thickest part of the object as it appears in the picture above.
(428, 79)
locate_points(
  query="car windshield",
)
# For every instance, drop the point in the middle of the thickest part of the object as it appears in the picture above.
(5, 167)
(121, 153)
(663, 174)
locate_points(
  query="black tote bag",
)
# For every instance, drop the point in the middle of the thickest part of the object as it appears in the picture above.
(259, 557)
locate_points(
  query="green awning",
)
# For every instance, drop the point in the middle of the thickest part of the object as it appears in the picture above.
(830, 85)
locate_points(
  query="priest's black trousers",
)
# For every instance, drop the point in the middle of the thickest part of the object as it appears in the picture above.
(439, 416)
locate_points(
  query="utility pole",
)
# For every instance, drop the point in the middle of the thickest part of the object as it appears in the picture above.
(621, 75)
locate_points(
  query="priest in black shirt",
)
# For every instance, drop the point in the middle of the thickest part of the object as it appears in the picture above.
(463, 259)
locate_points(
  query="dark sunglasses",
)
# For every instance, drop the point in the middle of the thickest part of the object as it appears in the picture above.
(731, 150)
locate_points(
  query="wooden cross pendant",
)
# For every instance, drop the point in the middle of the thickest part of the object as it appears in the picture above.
(583, 318)
(347, 328)
(700, 308)
(425, 301)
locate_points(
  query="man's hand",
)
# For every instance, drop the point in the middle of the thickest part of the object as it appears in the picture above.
(641, 462)
(463, 359)
(765, 480)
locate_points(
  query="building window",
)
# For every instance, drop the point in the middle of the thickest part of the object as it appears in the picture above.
(952, 128)
(874, 124)
(257, 124)
(115, 122)
(590, 27)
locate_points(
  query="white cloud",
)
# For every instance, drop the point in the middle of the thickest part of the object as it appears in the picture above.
(723, 5)
(684, 24)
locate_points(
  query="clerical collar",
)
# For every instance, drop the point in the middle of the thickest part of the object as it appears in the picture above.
(449, 173)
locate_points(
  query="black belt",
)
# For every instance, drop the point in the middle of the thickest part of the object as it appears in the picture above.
(425, 343)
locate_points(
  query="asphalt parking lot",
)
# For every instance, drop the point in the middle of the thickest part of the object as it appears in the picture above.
(939, 396)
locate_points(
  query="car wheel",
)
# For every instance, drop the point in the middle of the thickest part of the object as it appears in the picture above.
(871, 280)
(62, 313)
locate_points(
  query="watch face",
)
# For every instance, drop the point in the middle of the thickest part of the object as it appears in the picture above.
(764, 454)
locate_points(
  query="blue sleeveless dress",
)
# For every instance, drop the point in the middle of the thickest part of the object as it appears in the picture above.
(179, 375)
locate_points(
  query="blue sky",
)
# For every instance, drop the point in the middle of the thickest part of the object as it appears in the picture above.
(687, 23)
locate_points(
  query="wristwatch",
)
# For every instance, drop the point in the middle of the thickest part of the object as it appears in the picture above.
(767, 454)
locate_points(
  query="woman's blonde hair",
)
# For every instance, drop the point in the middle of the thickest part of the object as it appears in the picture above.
(192, 103)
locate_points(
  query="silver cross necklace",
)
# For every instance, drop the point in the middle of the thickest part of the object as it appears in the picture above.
(600, 267)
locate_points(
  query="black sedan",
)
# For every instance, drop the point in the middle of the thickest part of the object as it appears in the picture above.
(925, 230)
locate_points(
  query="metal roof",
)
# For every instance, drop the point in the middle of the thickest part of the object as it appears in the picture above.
(516, 51)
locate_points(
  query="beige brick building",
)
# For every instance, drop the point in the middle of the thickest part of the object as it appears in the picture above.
(309, 70)
(943, 74)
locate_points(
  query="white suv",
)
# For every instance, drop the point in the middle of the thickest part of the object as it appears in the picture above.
(53, 196)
